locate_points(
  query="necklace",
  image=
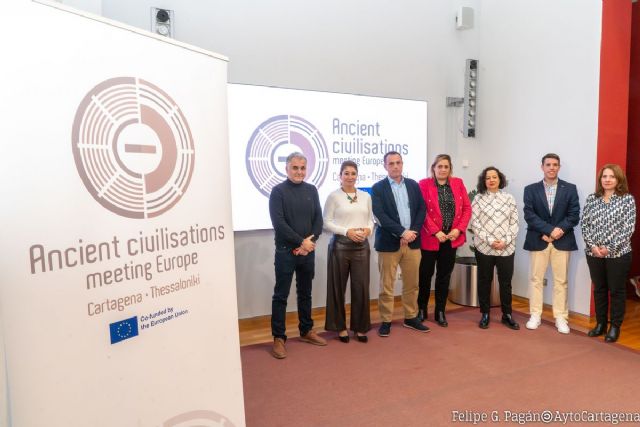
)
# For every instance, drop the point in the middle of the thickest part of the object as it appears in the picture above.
(353, 199)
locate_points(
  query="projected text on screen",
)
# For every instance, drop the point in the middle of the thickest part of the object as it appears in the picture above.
(267, 124)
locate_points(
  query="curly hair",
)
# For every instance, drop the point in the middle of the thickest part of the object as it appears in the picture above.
(482, 185)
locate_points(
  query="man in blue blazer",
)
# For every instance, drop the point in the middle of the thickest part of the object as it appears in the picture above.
(551, 210)
(399, 210)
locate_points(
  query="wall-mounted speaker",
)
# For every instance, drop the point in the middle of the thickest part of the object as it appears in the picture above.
(162, 21)
(470, 98)
(464, 18)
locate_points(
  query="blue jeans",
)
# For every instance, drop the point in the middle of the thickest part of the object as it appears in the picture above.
(286, 264)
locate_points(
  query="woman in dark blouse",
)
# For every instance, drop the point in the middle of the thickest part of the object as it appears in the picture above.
(448, 214)
(608, 221)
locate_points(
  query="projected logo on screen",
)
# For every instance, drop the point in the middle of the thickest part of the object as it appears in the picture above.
(133, 147)
(274, 140)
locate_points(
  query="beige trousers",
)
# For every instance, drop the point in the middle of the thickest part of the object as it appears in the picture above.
(409, 261)
(559, 267)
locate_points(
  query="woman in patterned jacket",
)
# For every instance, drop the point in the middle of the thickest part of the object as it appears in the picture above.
(608, 221)
(494, 223)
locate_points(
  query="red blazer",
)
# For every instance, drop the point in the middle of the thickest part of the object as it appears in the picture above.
(433, 218)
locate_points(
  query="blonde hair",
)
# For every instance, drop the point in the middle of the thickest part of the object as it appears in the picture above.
(439, 158)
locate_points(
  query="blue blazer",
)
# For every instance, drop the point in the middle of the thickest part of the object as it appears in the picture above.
(384, 207)
(565, 215)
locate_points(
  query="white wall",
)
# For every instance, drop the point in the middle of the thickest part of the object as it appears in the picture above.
(539, 93)
(407, 49)
(538, 87)
(93, 6)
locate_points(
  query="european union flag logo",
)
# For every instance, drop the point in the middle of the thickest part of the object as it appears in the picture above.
(123, 329)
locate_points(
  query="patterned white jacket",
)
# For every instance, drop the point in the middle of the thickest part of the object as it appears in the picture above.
(494, 217)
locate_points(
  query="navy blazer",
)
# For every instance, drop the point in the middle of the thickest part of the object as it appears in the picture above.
(389, 229)
(565, 215)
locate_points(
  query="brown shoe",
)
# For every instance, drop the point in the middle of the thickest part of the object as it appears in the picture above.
(312, 338)
(278, 351)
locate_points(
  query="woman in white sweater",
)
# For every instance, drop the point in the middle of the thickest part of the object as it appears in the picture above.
(348, 215)
(494, 223)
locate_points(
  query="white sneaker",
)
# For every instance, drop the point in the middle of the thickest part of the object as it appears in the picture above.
(562, 325)
(533, 322)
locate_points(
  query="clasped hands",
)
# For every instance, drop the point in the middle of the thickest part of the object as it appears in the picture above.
(453, 235)
(358, 235)
(498, 245)
(556, 233)
(407, 237)
(599, 251)
(306, 247)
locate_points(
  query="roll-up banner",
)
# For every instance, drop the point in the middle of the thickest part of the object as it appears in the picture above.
(117, 295)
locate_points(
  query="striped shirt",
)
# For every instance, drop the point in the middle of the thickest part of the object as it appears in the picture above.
(550, 191)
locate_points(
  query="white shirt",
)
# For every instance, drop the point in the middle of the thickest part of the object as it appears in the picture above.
(340, 214)
(495, 217)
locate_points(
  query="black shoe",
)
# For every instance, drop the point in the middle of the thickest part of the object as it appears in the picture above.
(508, 321)
(415, 325)
(484, 321)
(344, 339)
(422, 315)
(441, 320)
(385, 329)
(613, 334)
(598, 330)
(362, 338)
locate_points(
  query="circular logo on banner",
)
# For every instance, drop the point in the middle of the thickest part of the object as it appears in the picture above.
(274, 140)
(133, 147)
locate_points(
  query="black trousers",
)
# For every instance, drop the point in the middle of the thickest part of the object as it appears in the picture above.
(347, 258)
(286, 264)
(443, 260)
(609, 277)
(486, 265)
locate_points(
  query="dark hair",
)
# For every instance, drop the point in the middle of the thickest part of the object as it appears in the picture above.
(482, 185)
(391, 153)
(348, 163)
(550, 156)
(621, 188)
(438, 158)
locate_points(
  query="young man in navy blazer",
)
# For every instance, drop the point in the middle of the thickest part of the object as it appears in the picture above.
(399, 210)
(551, 210)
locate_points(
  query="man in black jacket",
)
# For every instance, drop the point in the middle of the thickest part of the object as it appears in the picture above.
(296, 216)
(399, 210)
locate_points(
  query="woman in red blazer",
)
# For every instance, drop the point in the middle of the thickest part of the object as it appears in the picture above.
(448, 214)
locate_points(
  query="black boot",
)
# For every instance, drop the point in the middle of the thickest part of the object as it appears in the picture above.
(422, 314)
(508, 321)
(484, 321)
(441, 320)
(613, 334)
(598, 330)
